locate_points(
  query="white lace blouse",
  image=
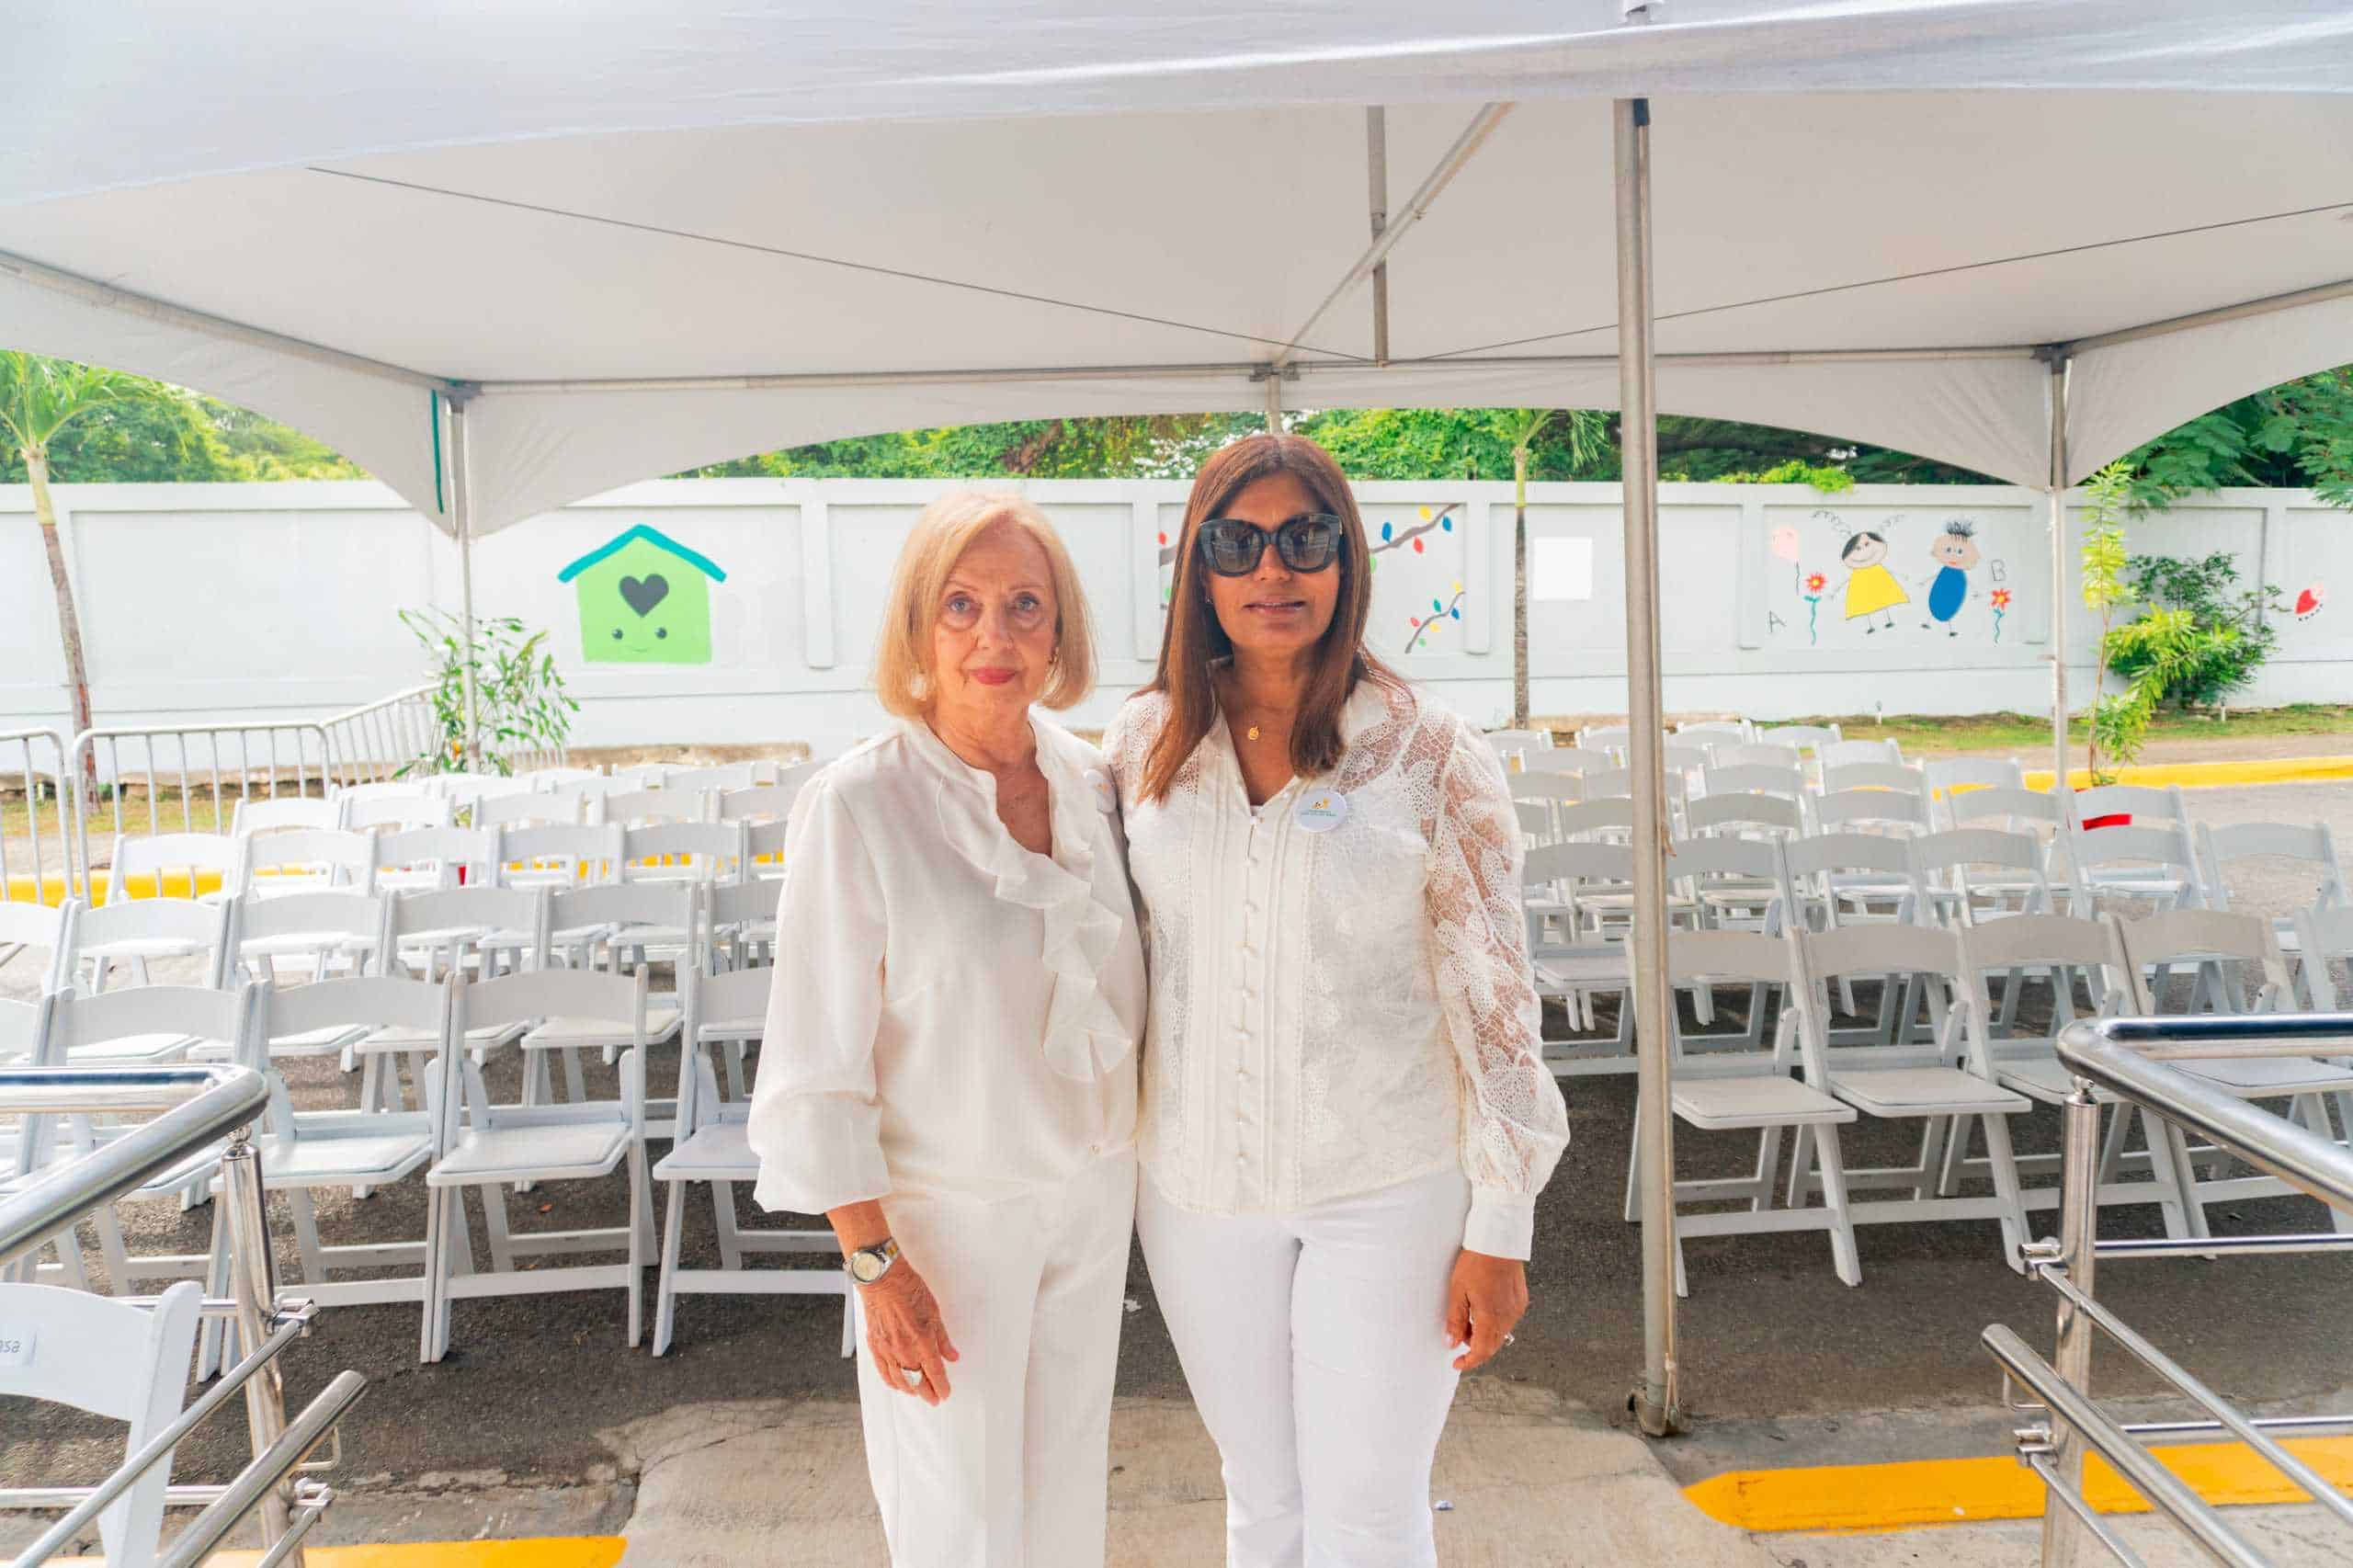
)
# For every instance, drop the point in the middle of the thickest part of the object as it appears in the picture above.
(953, 1014)
(1340, 1006)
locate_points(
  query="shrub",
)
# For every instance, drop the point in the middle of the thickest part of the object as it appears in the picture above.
(2217, 649)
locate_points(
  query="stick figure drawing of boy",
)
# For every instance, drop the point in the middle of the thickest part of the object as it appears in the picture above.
(1872, 588)
(1955, 552)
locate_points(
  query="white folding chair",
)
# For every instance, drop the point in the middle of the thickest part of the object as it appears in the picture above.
(1948, 776)
(1788, 783)
(1928, 1082)
(615, 928)
(1566, 759)
(1761, 754)
(313, 934)
(554, 806)
(1971, 875)
(1850, 879)
(1749, 1091)
(113, 1360)
(2062, 947)
(559, 856)
(276, 813)
(684, 851)
(1896, 813)
(1604, 737)
(165, 859)
(135, 932)
(45, 930)
(2142, 802)
(364, 807)
(303, 859)
(2308, 848)
(1732, 884)
(486, 1146)
(1845, 753)
(2032, 811)
(2145, 950)
(639, 808)
(1797, 737)
(441, 932)
(757, 802)
(1744, 814)
(2148, 863)
(714, 1147)
(302, 1151)
(1573, 949)
(714, 780)
(1718, 730)
(413, 859)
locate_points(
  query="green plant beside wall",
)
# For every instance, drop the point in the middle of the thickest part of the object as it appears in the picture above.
(518, 692)
(2229, 640)
(2118, 725)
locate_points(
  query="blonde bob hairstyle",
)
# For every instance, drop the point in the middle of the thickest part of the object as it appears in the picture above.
(947, 529)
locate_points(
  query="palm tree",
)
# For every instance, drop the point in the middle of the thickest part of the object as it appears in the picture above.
(39, 398)
(1583, 430)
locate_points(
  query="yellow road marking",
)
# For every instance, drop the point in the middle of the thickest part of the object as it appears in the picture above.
(553, 1551)
(1916, 1492)
(2214, 775)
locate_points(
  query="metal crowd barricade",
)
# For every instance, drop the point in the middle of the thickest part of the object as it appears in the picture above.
(377, 740)
(2128, 1057)
(213, 764)
(193, 1106)
(32, 761)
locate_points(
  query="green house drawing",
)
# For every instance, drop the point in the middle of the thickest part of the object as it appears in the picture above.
(644, 599)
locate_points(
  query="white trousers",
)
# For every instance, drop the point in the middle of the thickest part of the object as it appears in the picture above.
(1009, 1470)
(1315, 1346)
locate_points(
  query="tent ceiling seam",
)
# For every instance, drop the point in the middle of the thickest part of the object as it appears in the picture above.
(1917, 276)
(785, 253)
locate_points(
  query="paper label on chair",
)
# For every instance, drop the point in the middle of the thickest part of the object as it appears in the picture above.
(15, 1346)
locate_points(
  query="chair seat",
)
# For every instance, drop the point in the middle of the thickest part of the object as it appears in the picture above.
(1763, 1100)
(2256, 1076)
(400, 1036)
(661, 1023)
(1557, 973)
(546, 1152)
(302, 944)
(2047, 1081)
(144, 948)
(713, 1030)
(720, 1152)
(340, 1158)
(134, 1048)
(1923, 1091)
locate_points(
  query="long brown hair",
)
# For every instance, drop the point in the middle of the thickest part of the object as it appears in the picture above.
(1194, 640)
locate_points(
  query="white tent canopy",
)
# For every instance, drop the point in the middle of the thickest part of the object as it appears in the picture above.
(639, 236)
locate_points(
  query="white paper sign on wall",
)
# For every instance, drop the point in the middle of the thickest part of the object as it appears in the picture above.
(15, 1346)
(1560, 569)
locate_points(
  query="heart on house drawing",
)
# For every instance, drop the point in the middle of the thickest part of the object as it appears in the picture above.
(641, 593)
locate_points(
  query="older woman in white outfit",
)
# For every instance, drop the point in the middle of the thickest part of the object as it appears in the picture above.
(949, 1068)
(1346, 1114)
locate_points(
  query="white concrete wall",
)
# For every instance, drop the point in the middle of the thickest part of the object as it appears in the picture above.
(240, 598)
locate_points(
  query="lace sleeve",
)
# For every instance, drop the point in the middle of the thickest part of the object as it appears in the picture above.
(1514, 1123)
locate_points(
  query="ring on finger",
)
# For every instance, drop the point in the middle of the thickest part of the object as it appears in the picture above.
(1507, 1338)
(910, 1376)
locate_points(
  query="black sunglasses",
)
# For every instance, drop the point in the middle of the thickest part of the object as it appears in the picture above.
(1310, 542)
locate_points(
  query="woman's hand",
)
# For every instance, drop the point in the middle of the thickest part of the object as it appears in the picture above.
(1483, 1300)
(905, 1333)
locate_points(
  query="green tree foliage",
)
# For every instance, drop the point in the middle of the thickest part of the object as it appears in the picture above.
(2230, 639)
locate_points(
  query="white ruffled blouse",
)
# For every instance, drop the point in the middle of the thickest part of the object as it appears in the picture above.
(953, 1014)
(1341, 996)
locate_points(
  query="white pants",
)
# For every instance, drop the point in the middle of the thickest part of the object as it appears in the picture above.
(1009, 1470)
(1315, 1346)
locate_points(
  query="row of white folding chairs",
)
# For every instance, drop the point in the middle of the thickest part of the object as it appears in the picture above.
(460, 1136)
(560, 796)
(1969, 1074)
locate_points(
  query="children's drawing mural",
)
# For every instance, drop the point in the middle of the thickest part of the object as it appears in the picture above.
(645, 598)
(1416, 564)
(1889, 577)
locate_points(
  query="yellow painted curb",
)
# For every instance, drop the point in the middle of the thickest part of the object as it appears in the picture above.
(1918, 1493)
(141, 884)
(552, 1551)
(2214, 775)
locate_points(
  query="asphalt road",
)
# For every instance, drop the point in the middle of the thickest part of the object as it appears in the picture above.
(1767, 1331)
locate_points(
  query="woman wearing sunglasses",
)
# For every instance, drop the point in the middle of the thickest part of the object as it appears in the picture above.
(1346, 1117)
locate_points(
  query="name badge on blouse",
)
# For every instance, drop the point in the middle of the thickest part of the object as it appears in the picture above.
(1320, 811)
(1106, 798)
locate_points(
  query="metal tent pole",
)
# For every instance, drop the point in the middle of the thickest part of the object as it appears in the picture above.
(1655, 1403)
(462, 512)
(2055, 493)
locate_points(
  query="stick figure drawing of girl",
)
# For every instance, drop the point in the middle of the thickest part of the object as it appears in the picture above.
(1872, 588)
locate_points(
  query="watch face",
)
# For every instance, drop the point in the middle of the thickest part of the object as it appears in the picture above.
(866, 1268)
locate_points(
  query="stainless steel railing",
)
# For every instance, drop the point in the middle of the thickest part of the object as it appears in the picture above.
(211, 765)
(377, 740)
(192, 1107)
(2128, 1057)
